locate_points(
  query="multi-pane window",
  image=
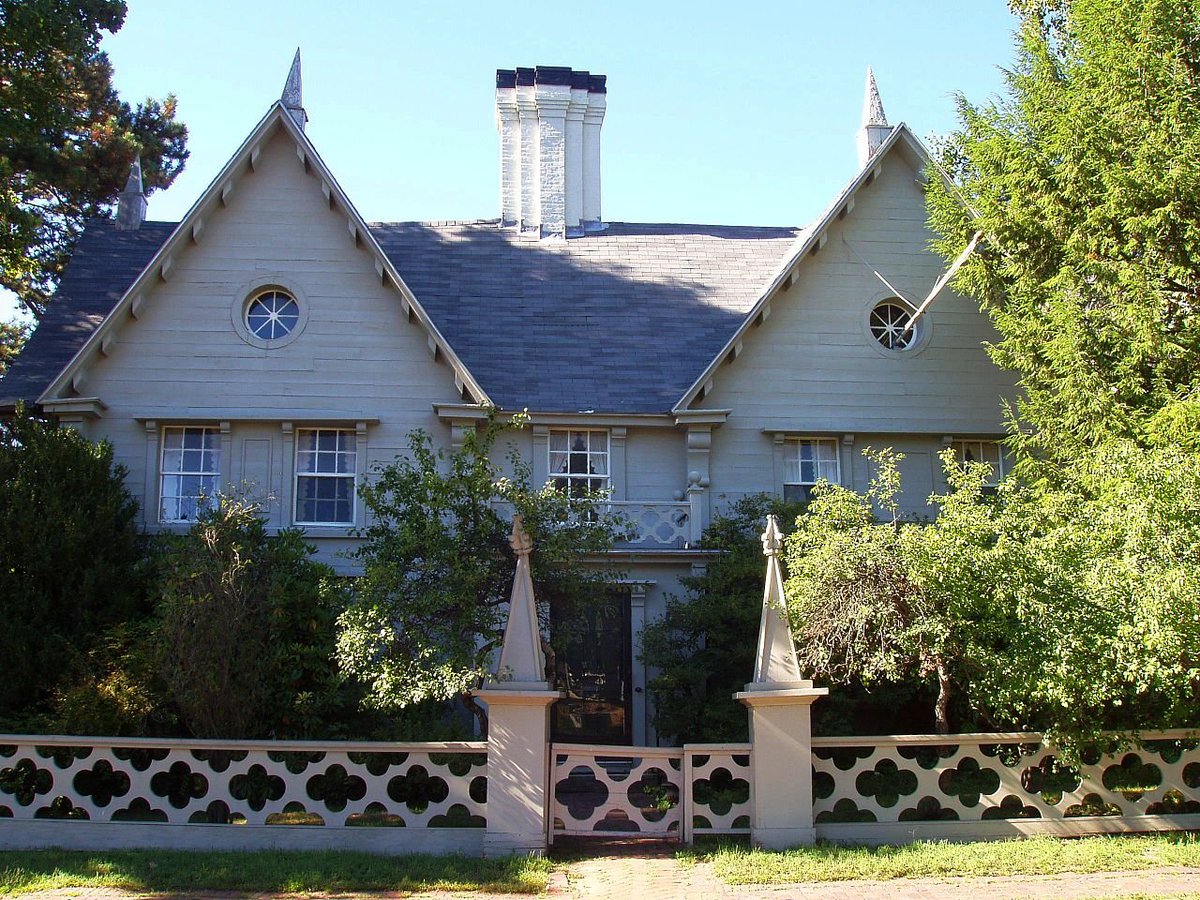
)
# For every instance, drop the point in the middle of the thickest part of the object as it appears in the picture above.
(579, 461)
(982, 452)
(326, 465)
(272, 315)
(189, 473)
(889, 323)
(807, 462)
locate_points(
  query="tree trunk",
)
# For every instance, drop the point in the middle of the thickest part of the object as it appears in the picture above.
(942, 710)
(478, 712)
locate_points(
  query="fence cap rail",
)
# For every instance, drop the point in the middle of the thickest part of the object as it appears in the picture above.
(997, 737)
(60, 740)
(619, 751)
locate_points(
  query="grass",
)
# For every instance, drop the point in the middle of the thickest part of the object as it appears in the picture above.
(269, 871)
(1032, 856)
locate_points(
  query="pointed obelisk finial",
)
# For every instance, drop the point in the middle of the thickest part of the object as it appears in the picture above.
(873, 113)
(875, 128)
(775, 663)
(522, 664)
(131, 202)
(292, 97)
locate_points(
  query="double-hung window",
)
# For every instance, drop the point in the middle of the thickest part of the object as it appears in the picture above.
(806, 462)
(189, 472)
(987, 452)
(579, 461)
(326, 468)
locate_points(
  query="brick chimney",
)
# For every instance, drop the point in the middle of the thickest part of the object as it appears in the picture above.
(549, 119)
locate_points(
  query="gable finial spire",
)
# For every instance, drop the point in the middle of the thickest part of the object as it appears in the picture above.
(875, 127)
(292, 97)
(131, 202)
(873, 113)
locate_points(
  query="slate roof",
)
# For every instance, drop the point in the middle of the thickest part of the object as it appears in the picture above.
(620, 321)
(105, 263)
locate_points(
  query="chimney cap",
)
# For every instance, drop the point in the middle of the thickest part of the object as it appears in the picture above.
(581, 80)
(597, 84)
(556, 75)
(506, 78)
(525, 77)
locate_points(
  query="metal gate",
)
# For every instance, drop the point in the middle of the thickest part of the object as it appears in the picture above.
(601, 790)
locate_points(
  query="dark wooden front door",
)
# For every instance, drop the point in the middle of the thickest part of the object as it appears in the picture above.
(593, 665)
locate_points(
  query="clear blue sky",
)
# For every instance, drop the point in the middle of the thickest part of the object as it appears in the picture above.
(718, 112)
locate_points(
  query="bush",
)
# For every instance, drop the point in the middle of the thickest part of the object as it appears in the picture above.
(72, 561)
(246, 628)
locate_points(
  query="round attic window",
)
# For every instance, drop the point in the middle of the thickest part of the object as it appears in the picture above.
(889, 323)
(272, 315)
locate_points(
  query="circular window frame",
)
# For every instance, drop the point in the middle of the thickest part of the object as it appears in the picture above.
(250, 292)
(923, 330)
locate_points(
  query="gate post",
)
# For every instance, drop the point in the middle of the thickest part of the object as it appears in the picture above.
(780, 704)
(518, 699)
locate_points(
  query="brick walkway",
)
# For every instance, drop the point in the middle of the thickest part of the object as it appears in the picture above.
(641, 871)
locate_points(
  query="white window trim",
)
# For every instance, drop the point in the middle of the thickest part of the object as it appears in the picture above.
(297, 475)
(552, 476)
(959, 445)
(792, 444)
(220, 452)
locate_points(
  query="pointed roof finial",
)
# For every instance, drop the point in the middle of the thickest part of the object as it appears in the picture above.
(873, 113)
(131, 202)
(292, 97)
(134, 182)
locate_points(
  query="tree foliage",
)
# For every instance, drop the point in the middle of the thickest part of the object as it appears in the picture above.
(1071, 610)
(71, 563)
(703, 646)
(1085, 182)
(66, 138)
(429, 610)
(12, 339)
(881, 600)
(245, 628)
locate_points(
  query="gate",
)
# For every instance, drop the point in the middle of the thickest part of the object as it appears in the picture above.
(600, 790)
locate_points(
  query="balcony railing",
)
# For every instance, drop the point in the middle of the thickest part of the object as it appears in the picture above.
(659, 525)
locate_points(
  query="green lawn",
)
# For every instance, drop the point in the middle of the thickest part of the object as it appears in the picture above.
(1032, 856)
(293, 872)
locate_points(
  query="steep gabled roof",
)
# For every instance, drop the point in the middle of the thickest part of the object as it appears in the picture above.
(619, 321)
(809, 242)
(191, 228)
(105, 263)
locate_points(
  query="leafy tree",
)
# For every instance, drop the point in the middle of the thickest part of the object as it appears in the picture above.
(1085, 181)
(245, 629)
(72, 561)
(703, 646)
(66, 139)
(12, 339)
(882, 601)
(429, 610)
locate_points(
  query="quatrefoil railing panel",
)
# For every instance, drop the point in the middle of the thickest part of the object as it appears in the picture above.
(426, 785)
(602, 790)
(719, 779)
(986, 777)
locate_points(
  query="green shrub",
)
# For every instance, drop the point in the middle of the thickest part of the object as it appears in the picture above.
(71, 559)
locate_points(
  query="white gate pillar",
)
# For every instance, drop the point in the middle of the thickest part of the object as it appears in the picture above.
(518, 699)
(780, 704)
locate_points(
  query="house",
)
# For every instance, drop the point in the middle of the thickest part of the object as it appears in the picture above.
(276, 339)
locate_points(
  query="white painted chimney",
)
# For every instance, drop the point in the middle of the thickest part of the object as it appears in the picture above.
(549, 120)
(875, 127)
